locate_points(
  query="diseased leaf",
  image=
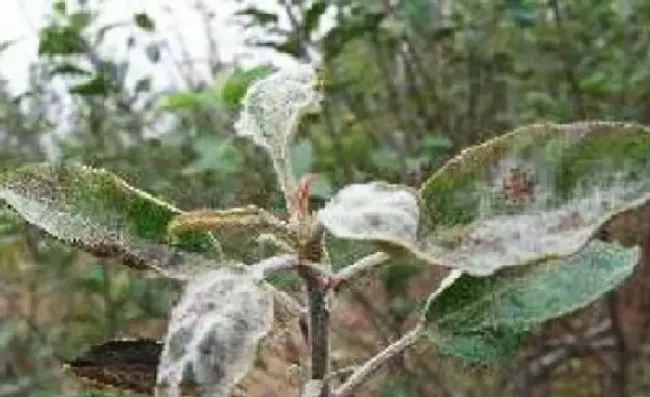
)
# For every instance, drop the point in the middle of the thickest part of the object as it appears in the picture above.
(273, 106)
(214, 333)
(98, 212)
(486, 318)
(541, 191)
(234, 228)
(376, 211)
(123, 364)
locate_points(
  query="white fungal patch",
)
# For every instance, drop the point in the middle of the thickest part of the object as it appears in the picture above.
(214, 332)
(273, 106)
(497, 240)
(373, 211)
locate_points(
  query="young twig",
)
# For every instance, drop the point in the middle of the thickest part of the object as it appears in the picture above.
(274, 264)
(363, 264)
(371, 366)
(285, 262)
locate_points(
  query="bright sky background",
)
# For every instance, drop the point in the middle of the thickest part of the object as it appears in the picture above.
(177, 22)
(21, 19)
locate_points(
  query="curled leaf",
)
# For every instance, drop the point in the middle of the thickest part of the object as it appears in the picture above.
(273, 106)
(376, 211)
(214, 332)
(236, 229)
(250, 220)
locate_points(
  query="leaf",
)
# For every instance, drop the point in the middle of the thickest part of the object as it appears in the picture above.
(260, 17)
(59, 40)
(98, 212)
(312, 17)
(234, 89)
(144, 21)
(128, 364)
(376, 211)
(79, 20)
(189, 101)
(231, 226)
(215, 153)
(541, 191)
(214, 333)
(68, 68)
(96, 86)
(273, 106)
(59, 7)
(486, 318)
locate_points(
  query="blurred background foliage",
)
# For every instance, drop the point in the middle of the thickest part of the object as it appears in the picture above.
(408, 82)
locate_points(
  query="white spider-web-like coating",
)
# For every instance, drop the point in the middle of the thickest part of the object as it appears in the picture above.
(273, 106)
(56, 199)
(373, 211)
(214, 332)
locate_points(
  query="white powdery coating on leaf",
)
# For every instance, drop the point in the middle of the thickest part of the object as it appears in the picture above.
(507, 240)
(273, 106)
(214, 332)
(66, 223)
(54, 218)
(373, 211)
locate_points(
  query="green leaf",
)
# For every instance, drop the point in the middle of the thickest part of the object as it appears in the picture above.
(69, 69)
(248, 221)
(59, 7)
(312, 17)
(96, 86)
(79, 20)
(486, 318)
(98, 212)
(60, 40)
(189, 101)
(541, 191)
(215, 153)
(143, 21)
(234, 89)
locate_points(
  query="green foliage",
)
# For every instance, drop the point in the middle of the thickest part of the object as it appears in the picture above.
(144, 21)
(487, 318)
(235, 87)
(99, 213)
(397, 80)
(227, 94)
